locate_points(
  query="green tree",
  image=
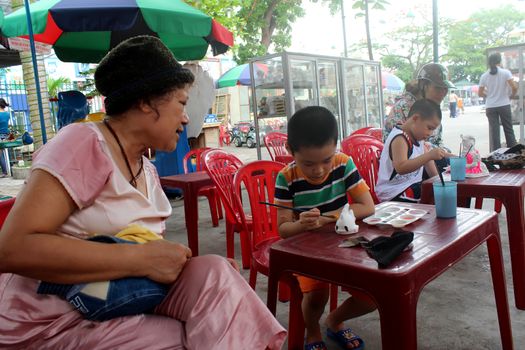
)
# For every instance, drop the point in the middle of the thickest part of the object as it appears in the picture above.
(54, 85)
(258, 24)
(407, 48)
(266, 22)
(364, 7)
(467, 40)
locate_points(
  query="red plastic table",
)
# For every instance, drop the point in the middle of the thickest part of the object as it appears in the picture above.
(509, 187)
(190, 184)
(438, 244)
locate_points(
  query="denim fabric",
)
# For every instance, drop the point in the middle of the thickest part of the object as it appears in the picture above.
(125, 296)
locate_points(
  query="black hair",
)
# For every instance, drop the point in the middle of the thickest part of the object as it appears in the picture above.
(3, 103)
(494, 60)
(413, 87)
(139, 69)
(426, 108)
(313, 126)
(421, 84)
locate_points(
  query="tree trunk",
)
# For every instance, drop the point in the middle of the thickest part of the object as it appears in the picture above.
(368, 37)
(30, 84)
(269, 20)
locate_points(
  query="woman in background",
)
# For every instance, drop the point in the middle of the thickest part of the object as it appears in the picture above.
(4, 132)
(498, 87)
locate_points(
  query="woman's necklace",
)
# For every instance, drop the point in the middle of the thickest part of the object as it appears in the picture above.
(133, 181)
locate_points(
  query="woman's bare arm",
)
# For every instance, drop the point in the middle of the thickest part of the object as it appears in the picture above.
(29, 245)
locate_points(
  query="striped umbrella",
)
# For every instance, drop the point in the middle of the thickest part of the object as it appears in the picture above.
(391, 82)
(85, 30)
(240, 75)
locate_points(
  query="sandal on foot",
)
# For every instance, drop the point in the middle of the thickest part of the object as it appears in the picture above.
(318, 345)
(345, 337)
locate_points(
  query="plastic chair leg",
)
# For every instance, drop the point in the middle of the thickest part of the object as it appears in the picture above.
(334, 289)
(219, 207)
(246, 251)
(230, 249)
(212, 200)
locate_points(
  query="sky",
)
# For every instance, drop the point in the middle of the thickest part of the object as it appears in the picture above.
(319, 32)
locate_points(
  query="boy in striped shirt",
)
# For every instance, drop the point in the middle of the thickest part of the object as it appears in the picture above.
(319, 180)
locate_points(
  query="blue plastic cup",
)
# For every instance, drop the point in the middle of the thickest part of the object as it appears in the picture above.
(446, 199)
(458, 168)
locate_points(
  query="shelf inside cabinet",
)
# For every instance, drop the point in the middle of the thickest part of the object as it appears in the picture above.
(279, 85)
(267, 116)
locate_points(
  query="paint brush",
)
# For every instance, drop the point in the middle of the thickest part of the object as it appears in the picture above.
(440, 176)
(466, 154)
(298, 210)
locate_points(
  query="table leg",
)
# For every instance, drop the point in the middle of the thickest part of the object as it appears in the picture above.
(273, 282)
(500, 291)
(191, 213)
(515, 225)
(7, 161)
(398, 319)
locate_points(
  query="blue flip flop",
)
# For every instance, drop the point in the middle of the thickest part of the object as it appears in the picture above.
(345, 337)
(318, 345)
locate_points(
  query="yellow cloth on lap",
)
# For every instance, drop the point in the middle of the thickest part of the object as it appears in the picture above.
(138, 234)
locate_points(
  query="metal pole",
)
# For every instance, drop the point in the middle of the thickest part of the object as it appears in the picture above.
(35, 70)
(435, 32)
(344, 26)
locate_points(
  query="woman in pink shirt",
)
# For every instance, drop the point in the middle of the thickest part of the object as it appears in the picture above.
(92, 179)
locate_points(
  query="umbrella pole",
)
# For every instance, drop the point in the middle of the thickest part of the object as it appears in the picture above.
(35, 70)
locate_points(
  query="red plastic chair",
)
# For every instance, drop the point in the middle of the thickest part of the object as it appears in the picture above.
(365, 150)
(222, 166)
(361, 131)
(275, 143)
(259, 180)
(5, 207)
(209, 192)
(375, 132)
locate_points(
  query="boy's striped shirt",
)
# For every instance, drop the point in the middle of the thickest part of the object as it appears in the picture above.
(292, 188)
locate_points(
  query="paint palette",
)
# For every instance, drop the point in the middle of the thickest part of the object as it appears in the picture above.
(395, 216)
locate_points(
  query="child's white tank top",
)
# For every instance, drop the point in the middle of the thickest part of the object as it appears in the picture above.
(389, 182)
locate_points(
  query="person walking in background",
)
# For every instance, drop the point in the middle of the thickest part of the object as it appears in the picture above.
(497, 87)
(461, 106)
(4, 132)
(452, 104)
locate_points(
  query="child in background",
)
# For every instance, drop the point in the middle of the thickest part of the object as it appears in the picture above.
(405, 156)
(319, 181)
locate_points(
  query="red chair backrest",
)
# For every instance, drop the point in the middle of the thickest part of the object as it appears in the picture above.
(221, 167)
(197, 154)
(375, 132)
(275, 143)
(361, 131)
(366, 151)
(5, 207)
(259, 180)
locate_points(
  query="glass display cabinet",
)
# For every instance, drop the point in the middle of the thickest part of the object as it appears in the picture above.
(286, 82)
